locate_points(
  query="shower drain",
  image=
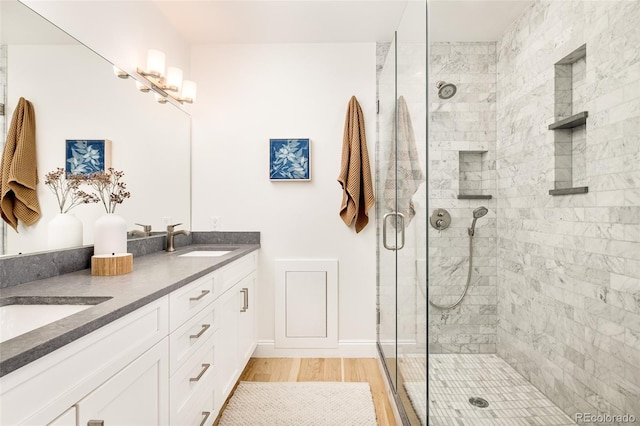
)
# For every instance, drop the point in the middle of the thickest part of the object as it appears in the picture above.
(478, 402)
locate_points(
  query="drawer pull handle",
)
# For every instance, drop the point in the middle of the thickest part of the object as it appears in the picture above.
(245, 306)
(203, 294)
(204, 370)
(206, 415)
(95, 423)
(205, 327)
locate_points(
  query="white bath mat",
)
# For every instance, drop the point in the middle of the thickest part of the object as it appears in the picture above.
(300, 403)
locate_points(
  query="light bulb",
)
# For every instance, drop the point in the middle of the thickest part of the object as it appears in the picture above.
(155, 62)
(188, 91)
(174, 79)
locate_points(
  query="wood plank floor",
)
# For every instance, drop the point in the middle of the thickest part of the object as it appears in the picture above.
(324, 370)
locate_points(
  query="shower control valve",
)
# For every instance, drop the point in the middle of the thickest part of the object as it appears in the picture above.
(440, 219)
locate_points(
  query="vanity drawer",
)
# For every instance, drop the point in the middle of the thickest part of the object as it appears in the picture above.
(237, 270)
(198, 410)
(192, 335)
(193, 382)
(191, 299)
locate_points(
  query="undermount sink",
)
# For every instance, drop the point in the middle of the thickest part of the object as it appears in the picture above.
(205, 253)
(21, 316)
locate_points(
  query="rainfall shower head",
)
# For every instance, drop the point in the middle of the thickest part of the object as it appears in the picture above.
(446, 90)
(479, 212)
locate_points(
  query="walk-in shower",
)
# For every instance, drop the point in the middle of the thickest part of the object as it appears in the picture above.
(525, 231)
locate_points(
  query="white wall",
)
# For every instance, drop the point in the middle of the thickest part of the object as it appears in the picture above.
(121, 31)
(250, 93)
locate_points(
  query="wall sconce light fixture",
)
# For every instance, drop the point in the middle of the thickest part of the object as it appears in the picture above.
(171, 85)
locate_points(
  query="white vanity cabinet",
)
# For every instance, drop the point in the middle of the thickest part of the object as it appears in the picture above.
(237, 333)
(213, 336)
(247, 333)
(171, 362)
(44, 391)
(192, 345)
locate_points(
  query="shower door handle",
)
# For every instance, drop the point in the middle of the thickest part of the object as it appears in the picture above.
(399, 217)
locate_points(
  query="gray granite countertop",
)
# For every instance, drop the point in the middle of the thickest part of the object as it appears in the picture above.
(153, 276)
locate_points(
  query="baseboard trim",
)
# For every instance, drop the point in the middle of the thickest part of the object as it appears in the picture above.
(345, 349)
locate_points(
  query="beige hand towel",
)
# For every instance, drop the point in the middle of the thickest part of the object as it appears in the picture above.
(409, 173)
(19, 174)
(355, 171)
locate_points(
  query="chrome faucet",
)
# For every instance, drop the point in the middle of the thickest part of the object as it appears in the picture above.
(145, 233)
(171, 233)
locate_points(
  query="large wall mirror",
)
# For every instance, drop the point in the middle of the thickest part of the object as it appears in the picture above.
(76, 95)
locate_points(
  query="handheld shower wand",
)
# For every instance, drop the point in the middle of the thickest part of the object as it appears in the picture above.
(477, 214)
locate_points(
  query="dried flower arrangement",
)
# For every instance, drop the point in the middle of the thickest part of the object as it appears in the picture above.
(66, 189)
(110, 189)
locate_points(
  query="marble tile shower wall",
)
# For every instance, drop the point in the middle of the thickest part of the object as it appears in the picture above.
(464, 124)
(569, 266)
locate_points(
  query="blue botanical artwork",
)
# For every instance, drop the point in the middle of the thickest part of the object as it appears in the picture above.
(84, 157)
(289, 159)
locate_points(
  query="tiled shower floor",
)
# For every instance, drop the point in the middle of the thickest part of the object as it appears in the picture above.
(455, 378)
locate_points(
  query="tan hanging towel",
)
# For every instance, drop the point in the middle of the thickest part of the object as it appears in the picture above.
(18, 196)
(409, 173)
(355, 171)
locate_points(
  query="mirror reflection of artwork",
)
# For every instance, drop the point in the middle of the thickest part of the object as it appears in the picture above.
(84, 157)
(289, 159)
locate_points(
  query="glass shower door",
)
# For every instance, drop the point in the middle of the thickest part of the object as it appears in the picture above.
(401, 213)
(386, 178)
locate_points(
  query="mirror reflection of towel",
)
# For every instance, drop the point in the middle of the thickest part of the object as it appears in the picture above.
(355, 170)
(19, 174)
(409, 173)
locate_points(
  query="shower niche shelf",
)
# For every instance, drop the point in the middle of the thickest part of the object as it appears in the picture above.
(474, 197)
(475, 175)
(570, 128)
(576, 120)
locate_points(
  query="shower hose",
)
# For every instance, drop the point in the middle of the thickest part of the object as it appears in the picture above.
(466, 287)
